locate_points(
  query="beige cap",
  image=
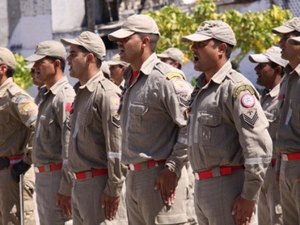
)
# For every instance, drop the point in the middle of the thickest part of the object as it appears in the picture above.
(105, 68)
(116, 60)
(7, 58)
(29, 65)
(289, 26)
(89, 40)
(273, 54)
(172, 53)
(216, 29)
(135, 24)
(294, 40)
(48, 48)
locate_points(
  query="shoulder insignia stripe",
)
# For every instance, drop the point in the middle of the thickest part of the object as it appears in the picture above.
(241, 88)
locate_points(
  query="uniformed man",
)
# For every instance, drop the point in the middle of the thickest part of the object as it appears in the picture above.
(229, 144)
(270, 70)
(95, 144)
(175, 57)
(172, 56)
(17, 121)
(288, 139)
(117, 68)
(51, 139)
(153, 125)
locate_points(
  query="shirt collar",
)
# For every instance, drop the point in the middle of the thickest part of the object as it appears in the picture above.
(57, 86)
(297, 69)
(223, 72)
(275, 91)
(5, 86)
(149, 64)
(91, 84)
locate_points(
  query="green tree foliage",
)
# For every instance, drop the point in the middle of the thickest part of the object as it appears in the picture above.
(253, 30)
(22, 75)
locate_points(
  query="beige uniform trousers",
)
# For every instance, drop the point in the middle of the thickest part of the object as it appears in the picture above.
(290, 191)
(269, 208)
(145, 205)
(214, 199)
(86, 198)
(47, 185)
(10, 199)
(190, 208)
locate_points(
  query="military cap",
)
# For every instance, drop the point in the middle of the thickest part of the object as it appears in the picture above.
(7, 58)
(116, 60)
(273, 54)
(48, 48)
(289, 26)
(213, 29)
(172, 53)
(135, 24)
(90, 41)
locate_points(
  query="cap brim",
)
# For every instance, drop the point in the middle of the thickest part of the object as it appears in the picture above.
(294, 40)
(29, 65)
(162, 55)
(120, 34)
(282, 30)
(258, 58)
(67, 41)
(34, 58)
(196, 38)
(112, 63)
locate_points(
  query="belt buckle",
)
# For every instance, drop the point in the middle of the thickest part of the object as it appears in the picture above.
(284, 157)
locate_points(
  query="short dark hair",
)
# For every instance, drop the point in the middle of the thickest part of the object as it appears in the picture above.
(153, 39)
(10, 71)
(274, 65)
(84, 50)
(62, 61)
(228, 49)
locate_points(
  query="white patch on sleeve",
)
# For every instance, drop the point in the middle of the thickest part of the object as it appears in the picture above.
(114, 155)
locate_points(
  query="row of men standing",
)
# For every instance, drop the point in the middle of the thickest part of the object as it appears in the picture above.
(78, 146)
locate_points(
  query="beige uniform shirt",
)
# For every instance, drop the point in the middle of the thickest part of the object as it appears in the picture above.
(95, 131)
(227, 127)
(289, 129)
(51, 139)
(152, 115)
(17, 120)
(270, 104)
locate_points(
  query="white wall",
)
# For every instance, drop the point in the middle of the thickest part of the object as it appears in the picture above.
(67, 15)
(4, 23)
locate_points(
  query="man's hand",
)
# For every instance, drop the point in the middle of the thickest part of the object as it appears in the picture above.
(243, 210)
(18, 169)
(166, 183)
(110, 205)
(64, 202)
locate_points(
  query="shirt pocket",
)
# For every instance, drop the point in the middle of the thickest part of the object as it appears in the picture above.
(49, 131)
(210, 129)
(8, 124)
(137, 112)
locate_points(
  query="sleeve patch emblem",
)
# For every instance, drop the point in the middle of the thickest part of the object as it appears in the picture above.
(248, 100)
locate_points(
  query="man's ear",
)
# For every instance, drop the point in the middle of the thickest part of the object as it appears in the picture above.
(222, 48)
(146, 40)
